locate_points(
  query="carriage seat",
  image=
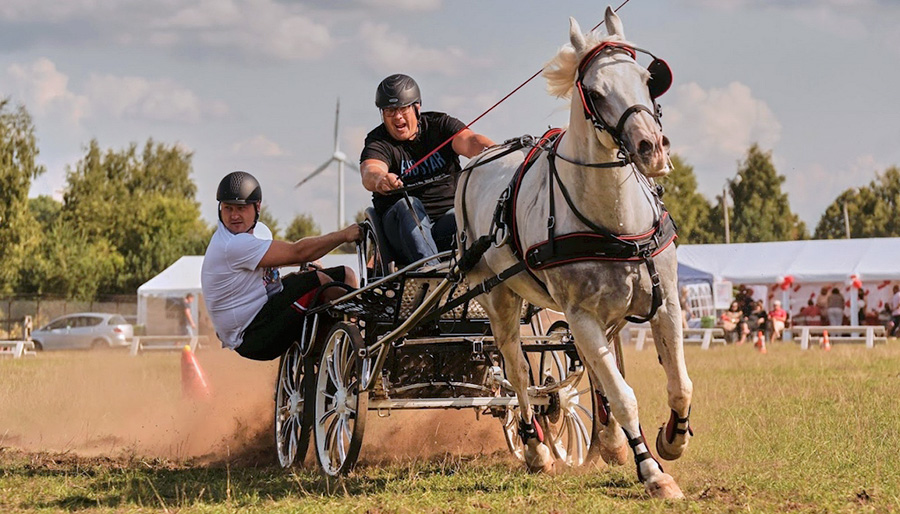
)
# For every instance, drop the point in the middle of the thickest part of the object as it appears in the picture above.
(389, 254)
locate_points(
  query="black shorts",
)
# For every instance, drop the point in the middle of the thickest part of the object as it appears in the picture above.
(278, 324)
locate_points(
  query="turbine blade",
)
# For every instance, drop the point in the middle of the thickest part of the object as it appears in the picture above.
(318, 170)
(337, 116)
(350, 163)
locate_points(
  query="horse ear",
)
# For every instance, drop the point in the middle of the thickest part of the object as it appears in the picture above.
(576, 37)
(614, 24)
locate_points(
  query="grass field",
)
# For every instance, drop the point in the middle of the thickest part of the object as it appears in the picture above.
(789, 431)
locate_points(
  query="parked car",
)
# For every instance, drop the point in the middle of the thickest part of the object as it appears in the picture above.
(84, 330)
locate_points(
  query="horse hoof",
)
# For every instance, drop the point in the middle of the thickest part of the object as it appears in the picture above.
(538, 459)
(614, 456)
(664, 486)
(665, 451)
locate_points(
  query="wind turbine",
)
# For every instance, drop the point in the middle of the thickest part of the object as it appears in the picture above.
(341, 159)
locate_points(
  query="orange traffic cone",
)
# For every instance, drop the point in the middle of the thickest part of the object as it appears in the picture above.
(193, 381)
(826, 344)
(761, 342)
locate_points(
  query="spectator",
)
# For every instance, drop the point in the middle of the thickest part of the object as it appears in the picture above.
(811, 314)
(734, 324)
(861, 304)
(895, 311)
(685, 308)
(779, 318)
(188, 327)
(756, 319)
(822, 304)
(835, 307)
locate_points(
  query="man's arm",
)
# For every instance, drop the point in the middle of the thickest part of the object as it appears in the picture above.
(470, 144)
(282, 253)
(190, 317)
(376, 178)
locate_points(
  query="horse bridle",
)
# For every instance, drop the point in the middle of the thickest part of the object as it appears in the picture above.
(660, 80)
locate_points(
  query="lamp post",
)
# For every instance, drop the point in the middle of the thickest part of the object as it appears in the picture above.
(725, 212)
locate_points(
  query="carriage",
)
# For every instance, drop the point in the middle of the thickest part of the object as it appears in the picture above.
(570, 221)
(404, 340)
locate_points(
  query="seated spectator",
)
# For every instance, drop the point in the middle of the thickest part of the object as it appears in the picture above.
(757, 318)
(779, 320)
(734, 324)
(811, 314)
(835, 307)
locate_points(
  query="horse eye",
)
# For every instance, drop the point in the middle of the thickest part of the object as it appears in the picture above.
(596, 96)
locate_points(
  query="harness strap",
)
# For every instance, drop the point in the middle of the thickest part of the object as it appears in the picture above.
(481, 288)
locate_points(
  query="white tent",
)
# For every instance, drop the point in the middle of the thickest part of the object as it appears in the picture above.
(811, 264)
(183, 277)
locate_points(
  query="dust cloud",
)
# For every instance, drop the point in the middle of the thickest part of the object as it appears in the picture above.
(112, 404)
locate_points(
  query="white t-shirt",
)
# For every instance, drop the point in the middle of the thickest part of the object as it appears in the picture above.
(895, 305)
(233, 288)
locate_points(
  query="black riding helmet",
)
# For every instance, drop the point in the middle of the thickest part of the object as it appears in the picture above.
(398, 90)
(242, 188)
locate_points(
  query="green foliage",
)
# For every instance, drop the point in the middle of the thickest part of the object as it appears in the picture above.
(45, 210)
(303, 225)
(761, 210)
(269, 220)
(19, 234)
(133, 214)
(872, 211)
(690, 209)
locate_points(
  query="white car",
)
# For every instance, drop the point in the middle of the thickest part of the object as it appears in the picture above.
(86, 330)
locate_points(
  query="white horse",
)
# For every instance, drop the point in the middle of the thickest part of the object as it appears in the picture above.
(613, 119)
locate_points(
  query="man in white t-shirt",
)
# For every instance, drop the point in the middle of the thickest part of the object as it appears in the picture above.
(254, 310)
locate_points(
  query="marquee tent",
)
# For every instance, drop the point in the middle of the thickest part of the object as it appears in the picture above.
(814, 264)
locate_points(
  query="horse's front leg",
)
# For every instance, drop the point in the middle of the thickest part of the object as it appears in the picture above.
(673, 437)
(594, 348)
(504, 309)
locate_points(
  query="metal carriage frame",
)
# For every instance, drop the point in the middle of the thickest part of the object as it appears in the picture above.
(398, 343)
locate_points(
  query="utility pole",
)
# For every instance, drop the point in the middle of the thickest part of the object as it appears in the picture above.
(846, 221)
(725, 212)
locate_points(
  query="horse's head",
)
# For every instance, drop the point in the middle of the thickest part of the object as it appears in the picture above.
(616, 95)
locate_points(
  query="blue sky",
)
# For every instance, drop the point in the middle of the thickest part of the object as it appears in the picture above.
(252, 84)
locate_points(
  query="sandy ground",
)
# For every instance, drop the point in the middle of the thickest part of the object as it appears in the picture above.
(108, 403)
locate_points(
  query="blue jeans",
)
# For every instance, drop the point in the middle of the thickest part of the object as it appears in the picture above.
(411, 243)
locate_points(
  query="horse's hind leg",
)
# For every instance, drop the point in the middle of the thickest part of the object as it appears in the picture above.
(609, 441)
(591, 341)
(673, 437)
(504, 310)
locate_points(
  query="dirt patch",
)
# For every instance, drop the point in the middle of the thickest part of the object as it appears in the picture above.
(110, 404)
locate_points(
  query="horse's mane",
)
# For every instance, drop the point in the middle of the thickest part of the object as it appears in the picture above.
(560, 71)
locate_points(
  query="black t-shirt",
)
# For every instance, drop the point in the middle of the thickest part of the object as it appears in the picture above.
(434, 129)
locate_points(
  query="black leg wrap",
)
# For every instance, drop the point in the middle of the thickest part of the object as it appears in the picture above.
(679, 426)
(641, 452)
(530, 431)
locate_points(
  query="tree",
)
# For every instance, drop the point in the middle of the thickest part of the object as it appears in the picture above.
(690, 209)
(19, 236)
(139, 208)
(302, 226)
(45, 210)
(761, 210)
(872, 211)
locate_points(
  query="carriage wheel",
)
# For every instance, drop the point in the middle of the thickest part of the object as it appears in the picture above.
(292, 411)
(370, 254)
(340, 413)
(569, 422)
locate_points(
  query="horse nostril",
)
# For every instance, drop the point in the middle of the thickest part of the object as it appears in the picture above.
(645, 148)
(665, 142)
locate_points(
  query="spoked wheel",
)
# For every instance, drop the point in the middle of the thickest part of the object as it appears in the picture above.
(340, 413)
(369, 253)
(292, 412)
(569, 421)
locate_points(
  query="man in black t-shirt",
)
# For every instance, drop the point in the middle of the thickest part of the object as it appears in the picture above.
(405, 136)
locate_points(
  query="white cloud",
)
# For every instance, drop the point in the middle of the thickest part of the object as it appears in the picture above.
(405, 5)
(250, 28)
(715, 127)
(258, 146)
(388, 49)
(45, 90)
(155, 100)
